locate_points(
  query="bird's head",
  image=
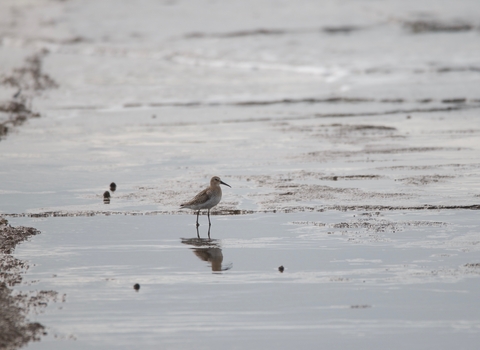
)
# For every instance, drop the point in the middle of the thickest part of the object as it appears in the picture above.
(215, 181)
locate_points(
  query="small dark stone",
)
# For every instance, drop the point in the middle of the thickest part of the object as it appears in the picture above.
(106, 197)
(281, 268)
(335, 178)
(136, 286)
(113, 186)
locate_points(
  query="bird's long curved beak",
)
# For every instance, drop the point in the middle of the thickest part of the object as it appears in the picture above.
(223, 183)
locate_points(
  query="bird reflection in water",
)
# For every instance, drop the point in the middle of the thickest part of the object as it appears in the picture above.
(208, 250)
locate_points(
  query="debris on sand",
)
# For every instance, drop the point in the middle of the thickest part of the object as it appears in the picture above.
(422, 26)
(15, 329)
(18, 113)
(29, 80)
(30, 77)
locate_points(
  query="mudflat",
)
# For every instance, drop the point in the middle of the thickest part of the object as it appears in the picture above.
(348, 131)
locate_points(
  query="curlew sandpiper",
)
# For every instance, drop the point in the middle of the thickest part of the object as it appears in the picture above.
(206, 199)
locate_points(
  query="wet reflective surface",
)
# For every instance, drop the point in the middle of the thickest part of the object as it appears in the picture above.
(208, 250)
(349, 279)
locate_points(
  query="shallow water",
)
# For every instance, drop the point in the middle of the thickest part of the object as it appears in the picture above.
(343, 286)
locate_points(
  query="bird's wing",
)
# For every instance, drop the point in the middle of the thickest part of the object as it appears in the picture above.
(202, 197)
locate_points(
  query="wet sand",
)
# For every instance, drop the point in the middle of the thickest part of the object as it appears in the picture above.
(349, 133)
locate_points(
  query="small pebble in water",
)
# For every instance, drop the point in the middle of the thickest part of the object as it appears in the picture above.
(136, 286)
(113, 186)
(281, 268)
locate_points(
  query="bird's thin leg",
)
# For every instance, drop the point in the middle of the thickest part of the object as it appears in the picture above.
(209, 223)
(198, 233)
(209, 232)
(198, 213)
